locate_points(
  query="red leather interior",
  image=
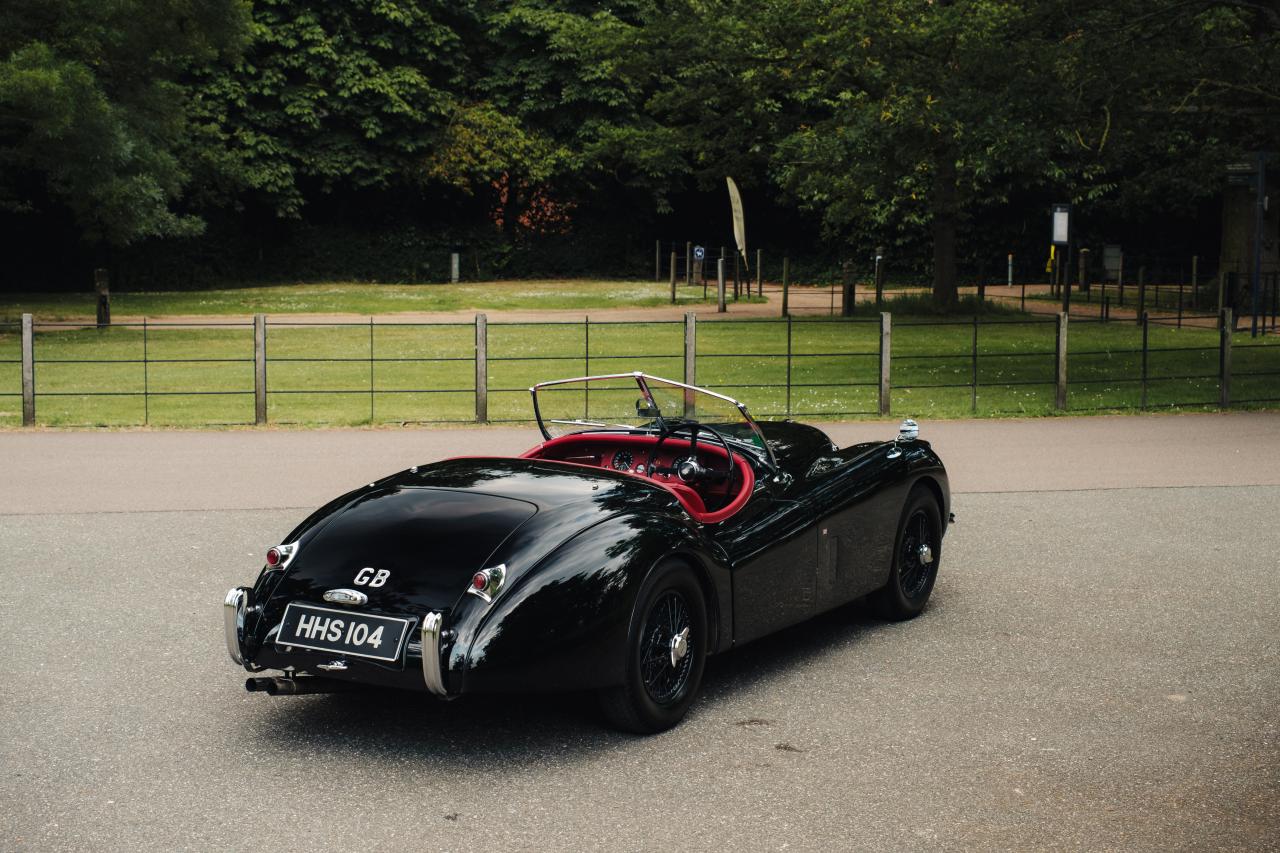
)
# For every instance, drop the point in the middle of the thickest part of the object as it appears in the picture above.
(601, 451)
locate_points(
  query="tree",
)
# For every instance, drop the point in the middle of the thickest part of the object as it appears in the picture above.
(331, 97)
(92, 116)
(920, 115)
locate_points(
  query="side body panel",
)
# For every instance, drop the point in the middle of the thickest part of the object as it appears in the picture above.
(772, 549)
(857, 496)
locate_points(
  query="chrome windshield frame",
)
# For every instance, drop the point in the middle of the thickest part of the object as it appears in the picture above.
(642, 380)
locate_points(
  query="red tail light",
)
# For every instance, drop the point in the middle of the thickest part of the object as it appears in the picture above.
(273, 557)
(479, 580)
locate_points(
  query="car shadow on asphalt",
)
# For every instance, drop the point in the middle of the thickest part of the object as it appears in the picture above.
(498, 732)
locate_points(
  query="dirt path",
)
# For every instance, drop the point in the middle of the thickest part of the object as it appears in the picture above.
(803, 301)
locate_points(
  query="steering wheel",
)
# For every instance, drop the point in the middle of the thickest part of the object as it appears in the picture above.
(689, 470)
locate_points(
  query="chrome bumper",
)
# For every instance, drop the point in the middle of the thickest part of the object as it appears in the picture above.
(233, 613)
(431, 674)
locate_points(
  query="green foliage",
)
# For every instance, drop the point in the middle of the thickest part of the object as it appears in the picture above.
(91, 115)
(335, 96)
(518, 125)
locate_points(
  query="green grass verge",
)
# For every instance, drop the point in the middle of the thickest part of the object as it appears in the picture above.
(354, 298)
(323, 375)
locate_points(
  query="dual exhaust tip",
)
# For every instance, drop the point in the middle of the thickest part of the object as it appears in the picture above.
(296, 686)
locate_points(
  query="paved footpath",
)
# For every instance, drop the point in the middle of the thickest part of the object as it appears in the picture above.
(1099, 667)
(48, 471)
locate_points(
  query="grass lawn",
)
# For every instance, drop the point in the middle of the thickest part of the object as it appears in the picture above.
(323, 374)
(354, 298)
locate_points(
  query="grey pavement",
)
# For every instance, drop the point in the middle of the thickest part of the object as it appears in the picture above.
(1099, 668)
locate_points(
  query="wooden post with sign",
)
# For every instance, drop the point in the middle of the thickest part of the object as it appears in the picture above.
(879, 276)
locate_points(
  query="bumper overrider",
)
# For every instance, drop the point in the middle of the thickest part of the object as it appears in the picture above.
(238, 607)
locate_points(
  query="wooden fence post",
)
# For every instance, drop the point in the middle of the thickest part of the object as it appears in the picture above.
(657, 261)
(673, 276)
(28, 372)
(848, 290)
(759, 272)
(974, 371)
(1146, 326)
(102, 285)
(886, 353)
(482, 369)
(1142, 293)
(691, 359)
(1225, 324)
(720, 286)
(259, 369)
(688, 263)
(1060, 397)
(1120, 279)
(786, 283)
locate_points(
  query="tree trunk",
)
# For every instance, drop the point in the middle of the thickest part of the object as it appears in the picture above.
(945, 209)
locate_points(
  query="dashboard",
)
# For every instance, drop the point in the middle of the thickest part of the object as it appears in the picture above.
(633, 458)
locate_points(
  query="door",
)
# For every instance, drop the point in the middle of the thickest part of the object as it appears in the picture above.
(771, 548)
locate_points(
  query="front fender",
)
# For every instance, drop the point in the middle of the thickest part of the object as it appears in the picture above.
(562, 626)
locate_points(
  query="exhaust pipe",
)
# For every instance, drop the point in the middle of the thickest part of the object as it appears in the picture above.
(296, 686)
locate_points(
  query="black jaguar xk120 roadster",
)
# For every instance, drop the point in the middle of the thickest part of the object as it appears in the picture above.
(656, 524)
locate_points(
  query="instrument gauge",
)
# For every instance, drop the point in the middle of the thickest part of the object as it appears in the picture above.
(622, 460)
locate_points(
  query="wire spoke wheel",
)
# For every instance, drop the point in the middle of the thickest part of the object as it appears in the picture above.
(667, 643)
(916, 555)
(665, 659)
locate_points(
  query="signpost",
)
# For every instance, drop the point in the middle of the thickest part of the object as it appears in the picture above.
(1062, 238)
(1253, 173)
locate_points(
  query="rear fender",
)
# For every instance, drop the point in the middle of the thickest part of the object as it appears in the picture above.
(563, 624)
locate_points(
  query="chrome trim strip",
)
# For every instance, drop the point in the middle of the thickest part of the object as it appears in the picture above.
(431, 674)
(233, 608)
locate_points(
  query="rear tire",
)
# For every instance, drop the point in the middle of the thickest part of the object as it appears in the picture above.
(917, 552)
(661, 673)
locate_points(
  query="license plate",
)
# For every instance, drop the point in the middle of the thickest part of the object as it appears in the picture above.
(324, 629)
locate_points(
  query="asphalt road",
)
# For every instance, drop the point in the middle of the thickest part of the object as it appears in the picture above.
(1099, 669)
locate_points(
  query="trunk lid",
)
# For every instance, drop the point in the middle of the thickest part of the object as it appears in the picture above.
(422, 545)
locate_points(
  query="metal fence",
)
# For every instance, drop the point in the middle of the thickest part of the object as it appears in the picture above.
(211, 373)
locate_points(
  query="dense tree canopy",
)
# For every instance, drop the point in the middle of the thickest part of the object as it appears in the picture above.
(934, 126)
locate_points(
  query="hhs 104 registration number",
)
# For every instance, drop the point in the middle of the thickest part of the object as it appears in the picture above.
(324, 629)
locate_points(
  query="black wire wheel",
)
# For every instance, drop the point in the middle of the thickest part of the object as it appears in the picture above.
(665, 655)
(916, 555)
(665, 663)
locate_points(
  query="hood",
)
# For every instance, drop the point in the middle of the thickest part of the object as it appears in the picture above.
(427, 541)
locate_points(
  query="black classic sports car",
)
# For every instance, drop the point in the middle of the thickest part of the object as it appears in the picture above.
(656, 524)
